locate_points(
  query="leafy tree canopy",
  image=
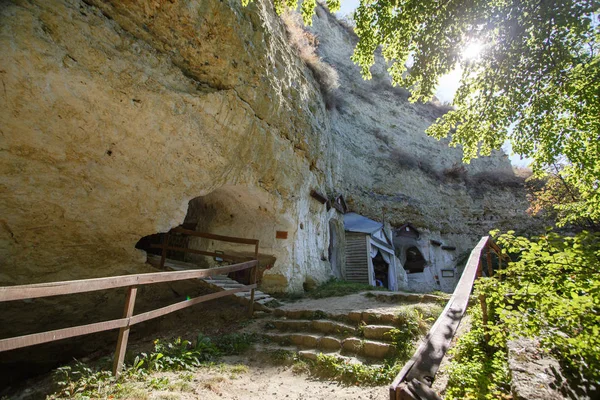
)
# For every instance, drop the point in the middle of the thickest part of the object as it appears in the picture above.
(536, 81)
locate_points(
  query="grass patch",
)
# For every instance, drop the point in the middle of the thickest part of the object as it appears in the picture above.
(332, 368)
(82, 381)
(335, 288)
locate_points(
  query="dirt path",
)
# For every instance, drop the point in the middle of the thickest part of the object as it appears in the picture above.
(373, 302)
(265, 382)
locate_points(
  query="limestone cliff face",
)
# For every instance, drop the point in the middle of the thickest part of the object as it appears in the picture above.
(114, 115)
(389, 165)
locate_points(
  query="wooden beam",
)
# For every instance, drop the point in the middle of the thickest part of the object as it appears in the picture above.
(422, 391)
(124, 332)
(215, 237)
(163, 255)
(318, 196)
(488, 257)
(201, 252)
(20, 292)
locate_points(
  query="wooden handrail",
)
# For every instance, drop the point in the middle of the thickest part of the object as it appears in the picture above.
(201, 252)
(215, 237)
(23, 292)
(413, 381)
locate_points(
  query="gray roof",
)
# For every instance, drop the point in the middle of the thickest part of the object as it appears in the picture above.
(357, 223)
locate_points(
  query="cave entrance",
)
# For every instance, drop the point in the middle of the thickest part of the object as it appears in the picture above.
(234, 211)
(381, 271)
(415, 262)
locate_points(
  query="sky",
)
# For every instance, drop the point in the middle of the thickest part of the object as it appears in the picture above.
(446, 88)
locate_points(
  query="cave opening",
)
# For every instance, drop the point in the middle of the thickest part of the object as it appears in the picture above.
(415, 262)
(381, 271)
(234, 211)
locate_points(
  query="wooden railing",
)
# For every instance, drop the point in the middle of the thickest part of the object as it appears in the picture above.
(23, 292)
(415, 379)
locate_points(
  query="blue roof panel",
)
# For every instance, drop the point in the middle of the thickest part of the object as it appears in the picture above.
(357, 223)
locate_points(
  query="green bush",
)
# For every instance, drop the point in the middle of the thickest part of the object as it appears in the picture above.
(551, 292)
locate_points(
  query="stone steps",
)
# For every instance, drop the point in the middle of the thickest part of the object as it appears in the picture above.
(353, 345)
(352, 318)
(317, 325)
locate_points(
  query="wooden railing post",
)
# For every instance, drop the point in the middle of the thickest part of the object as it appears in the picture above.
(484, 310)
(124, 331)
(253, 278)
(489, 261)
(165, 245)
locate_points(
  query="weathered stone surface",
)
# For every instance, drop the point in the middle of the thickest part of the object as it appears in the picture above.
(352, 345)
(376, 349)
(330, 343)
(533, 374)
(287, 325)
(379, 332)
(327, 326)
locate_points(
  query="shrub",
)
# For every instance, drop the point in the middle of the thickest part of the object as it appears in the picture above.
(495, 178)
(455, 172)
(306, 44)
(406, 160)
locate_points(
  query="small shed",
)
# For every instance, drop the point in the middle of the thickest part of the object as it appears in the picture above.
(370, 254)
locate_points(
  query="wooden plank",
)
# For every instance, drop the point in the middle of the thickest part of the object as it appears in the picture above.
(124, 332)
(50, 336)
(429, 355)
(163, 256)
(20, 292)
(215, 237)
(136, 319)
(201, 252)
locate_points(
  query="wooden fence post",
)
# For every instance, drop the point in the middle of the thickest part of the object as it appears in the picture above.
(124, 332)
(489, 261)
(165, 244)
(484, 310)
(253, 279)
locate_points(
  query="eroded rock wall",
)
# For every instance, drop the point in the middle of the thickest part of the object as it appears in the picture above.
(116, 114)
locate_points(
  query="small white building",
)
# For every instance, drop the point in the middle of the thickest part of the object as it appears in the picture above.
(370, 256)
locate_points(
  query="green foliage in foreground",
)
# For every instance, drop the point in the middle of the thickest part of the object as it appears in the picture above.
(330, 367)
(83, 381)
(336, 287)
(551, 293)
(477, 371)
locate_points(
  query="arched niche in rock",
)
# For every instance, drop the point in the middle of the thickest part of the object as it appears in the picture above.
(231, 210)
